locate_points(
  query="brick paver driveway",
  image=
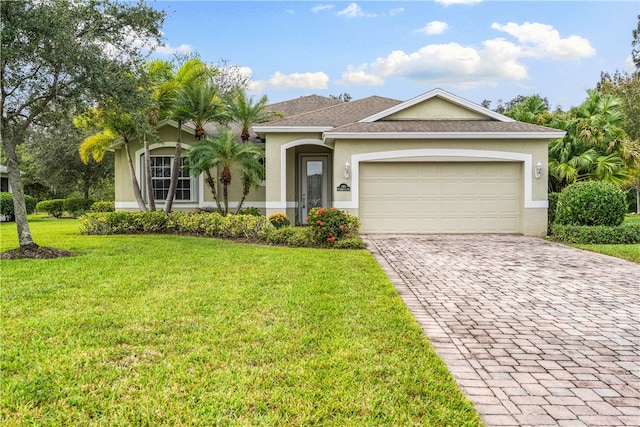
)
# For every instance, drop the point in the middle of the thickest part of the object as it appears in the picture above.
(534, 332)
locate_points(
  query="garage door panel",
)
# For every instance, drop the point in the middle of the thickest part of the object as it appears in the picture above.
(474, 197)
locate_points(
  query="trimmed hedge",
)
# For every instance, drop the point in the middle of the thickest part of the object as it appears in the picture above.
(591, 203)
(7, 209)
(53, 207)
(209, 224)
(626, 233)
(77, 204)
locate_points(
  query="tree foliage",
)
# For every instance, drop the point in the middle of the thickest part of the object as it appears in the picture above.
(58, 55)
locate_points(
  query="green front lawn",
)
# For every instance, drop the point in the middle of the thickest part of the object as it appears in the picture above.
(171, 330)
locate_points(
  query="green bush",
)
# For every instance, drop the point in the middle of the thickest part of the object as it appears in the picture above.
(77, 204)
(551, 212)
(30, 203)
(626, 233)
(279, 220)
(103, 207)
(53, 207)
(350, 243)
(210, 224)
(591, 203)
(301, 237)
(7, 208)
(329, 225)
(250, 211)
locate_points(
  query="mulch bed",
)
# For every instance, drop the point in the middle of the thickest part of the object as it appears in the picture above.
(35, 252)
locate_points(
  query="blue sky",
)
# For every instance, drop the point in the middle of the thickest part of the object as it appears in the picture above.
(477, 49)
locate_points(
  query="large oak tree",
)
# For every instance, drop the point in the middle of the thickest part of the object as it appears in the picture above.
(59, 55)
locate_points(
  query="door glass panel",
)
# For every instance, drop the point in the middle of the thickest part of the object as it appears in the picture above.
(314, 184)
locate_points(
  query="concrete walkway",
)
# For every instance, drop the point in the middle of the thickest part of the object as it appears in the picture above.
(535, 333)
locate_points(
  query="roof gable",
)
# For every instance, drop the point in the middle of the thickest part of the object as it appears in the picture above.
(437, 105)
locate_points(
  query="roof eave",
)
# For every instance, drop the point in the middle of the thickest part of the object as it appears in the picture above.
(289, 129)
(443, 135)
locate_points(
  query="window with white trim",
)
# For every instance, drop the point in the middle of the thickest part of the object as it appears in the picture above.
(161, 179)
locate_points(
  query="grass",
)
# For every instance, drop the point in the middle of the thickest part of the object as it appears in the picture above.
(177, 330)
(628, 252)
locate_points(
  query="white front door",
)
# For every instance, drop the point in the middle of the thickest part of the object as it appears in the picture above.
(314, 184)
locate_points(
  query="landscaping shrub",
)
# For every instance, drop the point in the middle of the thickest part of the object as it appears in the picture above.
(213, 224)
(103, 207)
(53, 207)
(329, 225)
(77, 204)
(626, 233)
(302, 237)
(551, 212)
(591, 203)
(6, 206)
(210, 224)
(250, 211)
(279, 220)
(30, 203)
(7, 209)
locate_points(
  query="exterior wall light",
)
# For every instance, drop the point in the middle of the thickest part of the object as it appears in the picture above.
(538, 172)
(347, 169)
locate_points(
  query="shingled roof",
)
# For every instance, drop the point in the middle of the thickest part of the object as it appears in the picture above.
(339, 114)
(302, 105)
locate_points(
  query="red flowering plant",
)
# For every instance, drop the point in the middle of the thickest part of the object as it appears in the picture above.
(331, 224)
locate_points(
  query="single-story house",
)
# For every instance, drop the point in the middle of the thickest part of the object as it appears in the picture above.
(436, 163)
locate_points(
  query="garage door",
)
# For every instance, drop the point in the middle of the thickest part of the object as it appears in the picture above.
(471, 197)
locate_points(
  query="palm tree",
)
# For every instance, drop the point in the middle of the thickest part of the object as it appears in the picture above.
(198, 102)
(167, 97)
(595, 146)
(532, 109)
(241, 109)
(115, 126)
(226, 153)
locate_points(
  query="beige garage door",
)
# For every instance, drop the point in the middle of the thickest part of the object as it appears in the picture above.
(470, 197)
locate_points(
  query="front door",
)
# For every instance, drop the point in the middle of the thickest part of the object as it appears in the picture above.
(314, 185)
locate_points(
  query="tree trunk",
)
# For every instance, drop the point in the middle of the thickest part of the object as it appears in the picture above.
(19, 207)
(134, 180)
(147, 172)
(175, 170)
(245, 192)
(212, 185)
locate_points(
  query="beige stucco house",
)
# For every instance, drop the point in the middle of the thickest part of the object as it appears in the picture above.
(436, 163)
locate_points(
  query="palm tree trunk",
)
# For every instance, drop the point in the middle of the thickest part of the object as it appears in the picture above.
(212, 185)
(245, 191)
(147, 172)
(175, 171)
(134, 181)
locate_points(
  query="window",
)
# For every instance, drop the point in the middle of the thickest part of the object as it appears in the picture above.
(161, 178)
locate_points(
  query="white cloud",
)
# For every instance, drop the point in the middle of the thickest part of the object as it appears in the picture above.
(394, 12)
(542, 40)
(434, 28)
(351, 11)
(450, 2)
(629, 65)
(316, 80)
(465, 66)
(167, 49)
(290, 11)
(321, 7)
(360, 76)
